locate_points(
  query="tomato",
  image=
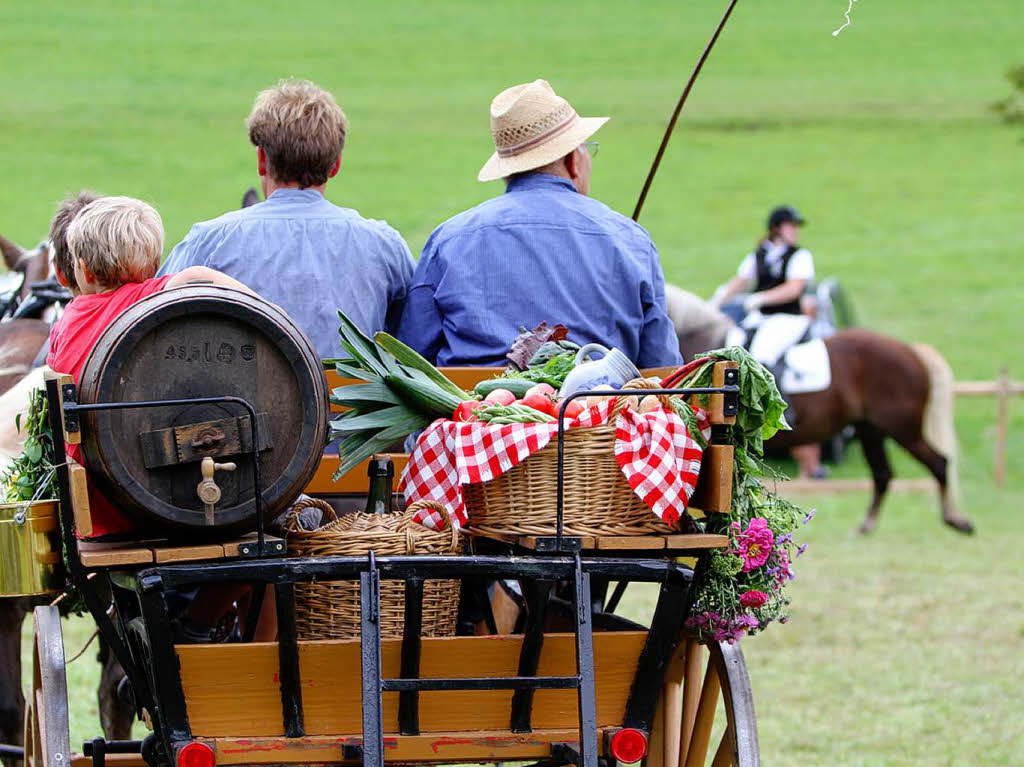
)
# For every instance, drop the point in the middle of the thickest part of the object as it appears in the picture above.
(573, 409)
(540, 403)
(466, 411)
(500, 397)
(544, 389)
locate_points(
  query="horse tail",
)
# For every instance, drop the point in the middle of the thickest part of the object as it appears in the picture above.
(938, 427)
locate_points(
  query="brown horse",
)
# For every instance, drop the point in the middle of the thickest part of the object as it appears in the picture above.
(22, 339)
(883, 387)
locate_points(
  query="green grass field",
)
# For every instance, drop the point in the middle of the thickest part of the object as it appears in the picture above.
(906, 648)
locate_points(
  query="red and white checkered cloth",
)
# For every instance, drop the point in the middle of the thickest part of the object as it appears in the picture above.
(657, 456)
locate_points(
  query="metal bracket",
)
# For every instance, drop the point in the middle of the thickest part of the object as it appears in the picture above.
(251, 549)
(731, 399)
(69, 394)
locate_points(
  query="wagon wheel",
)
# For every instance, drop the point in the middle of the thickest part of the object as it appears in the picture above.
(706, 713)
(47, 732)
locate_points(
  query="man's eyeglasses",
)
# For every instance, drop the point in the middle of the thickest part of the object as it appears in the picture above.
(591, 147)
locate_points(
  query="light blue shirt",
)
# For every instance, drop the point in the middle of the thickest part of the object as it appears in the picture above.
(539, 252)
(309, 257)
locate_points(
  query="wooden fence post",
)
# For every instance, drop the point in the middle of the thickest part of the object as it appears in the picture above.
(1002, 418)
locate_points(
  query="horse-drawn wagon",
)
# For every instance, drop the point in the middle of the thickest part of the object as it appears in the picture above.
(573, 681)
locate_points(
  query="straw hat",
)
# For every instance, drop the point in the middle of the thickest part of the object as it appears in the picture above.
(532, 126)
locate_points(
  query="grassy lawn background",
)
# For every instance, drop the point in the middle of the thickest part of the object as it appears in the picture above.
(905, 648)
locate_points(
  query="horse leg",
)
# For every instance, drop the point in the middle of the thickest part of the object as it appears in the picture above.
(872, 440)
(12, 700)
(116, 715)
(936, 464)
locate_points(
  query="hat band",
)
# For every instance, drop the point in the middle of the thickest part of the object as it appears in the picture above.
(539, 139)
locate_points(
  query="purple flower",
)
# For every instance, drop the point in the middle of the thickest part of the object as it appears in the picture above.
(810, 516)
(802, 549)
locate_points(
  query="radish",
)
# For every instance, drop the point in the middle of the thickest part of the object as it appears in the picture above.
(500, 397)
(543, 389)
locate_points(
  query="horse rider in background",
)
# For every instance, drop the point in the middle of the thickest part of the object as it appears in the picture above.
(297, 249)
(773, 316)
(542, 251)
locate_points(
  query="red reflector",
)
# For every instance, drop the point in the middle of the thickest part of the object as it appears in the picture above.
(196, 754)
(629, 745)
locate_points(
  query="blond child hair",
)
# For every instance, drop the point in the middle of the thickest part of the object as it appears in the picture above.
(119, 239)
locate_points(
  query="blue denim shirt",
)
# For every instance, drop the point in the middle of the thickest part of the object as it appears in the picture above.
(309, 257)
(541, 251)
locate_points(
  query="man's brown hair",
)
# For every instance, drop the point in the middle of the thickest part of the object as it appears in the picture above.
(301, 129)
(66, 212)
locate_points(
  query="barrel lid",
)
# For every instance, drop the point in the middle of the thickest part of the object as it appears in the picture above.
(203, 341)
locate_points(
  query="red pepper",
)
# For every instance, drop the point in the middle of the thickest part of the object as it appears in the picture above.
(466, 411)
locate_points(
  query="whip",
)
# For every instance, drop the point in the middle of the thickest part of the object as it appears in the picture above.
(679, 108)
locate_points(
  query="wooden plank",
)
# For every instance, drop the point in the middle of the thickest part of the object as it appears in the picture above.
(672, 706)
(714, 484)
(79, 482)
(693, 665)
(696, 541)
(631, 542)
(196, 553)
(986, 388)
(216, 677)
(355, 482)
(704, 721)
(454, 746)
(102, 554)
(716, 402)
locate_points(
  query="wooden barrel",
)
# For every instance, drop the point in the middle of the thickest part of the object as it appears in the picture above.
(196, 341)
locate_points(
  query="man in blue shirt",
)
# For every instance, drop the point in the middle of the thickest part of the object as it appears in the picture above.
(544, 250)
(308, 256)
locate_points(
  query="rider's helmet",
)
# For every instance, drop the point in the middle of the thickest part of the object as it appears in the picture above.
(784, 214)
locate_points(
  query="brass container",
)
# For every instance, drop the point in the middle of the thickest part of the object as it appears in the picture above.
(30, 555)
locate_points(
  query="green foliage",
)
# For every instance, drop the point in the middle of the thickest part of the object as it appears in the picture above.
(31, 475)
(761, 406)
(553, 371)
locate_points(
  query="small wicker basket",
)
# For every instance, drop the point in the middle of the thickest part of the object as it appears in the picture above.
(597, 498)
(330, 609)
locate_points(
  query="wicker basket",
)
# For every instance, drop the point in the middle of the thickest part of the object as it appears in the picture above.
(597, 500)
(330, 609)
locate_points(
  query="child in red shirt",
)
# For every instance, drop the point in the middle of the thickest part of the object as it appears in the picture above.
(115, 245)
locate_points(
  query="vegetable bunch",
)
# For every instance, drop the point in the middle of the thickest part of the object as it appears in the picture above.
(31, 474)
(402, 393)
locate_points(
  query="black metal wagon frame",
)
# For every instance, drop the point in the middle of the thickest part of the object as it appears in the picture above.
(140, 633)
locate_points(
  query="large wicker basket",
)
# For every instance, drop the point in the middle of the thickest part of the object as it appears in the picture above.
(597, 501)
(330, 609)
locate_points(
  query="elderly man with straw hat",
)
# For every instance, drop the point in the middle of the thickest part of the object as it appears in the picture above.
(543, 250)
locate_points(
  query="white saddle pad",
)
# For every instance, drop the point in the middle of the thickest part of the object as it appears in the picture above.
(807, 368)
